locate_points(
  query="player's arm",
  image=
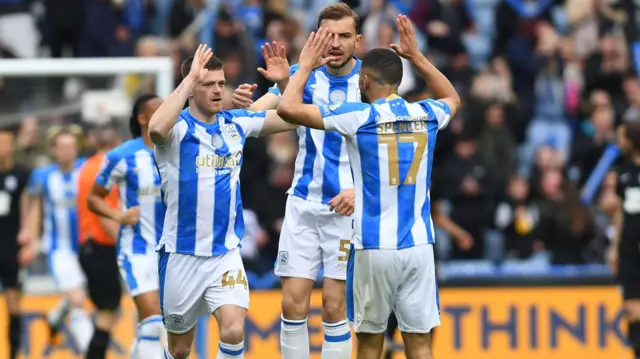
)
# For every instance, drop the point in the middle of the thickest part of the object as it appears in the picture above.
(165, 118)
(262, 123)
(97, 203)
(439, 85)
(32, 223)
(292, 108)
(113, 171)
(618, 222)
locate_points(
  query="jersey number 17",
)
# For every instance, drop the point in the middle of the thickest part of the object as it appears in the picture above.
(392, 140)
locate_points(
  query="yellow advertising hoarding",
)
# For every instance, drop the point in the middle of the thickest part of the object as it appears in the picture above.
(477, 323)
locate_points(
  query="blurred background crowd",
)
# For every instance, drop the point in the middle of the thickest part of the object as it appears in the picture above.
(544, 84)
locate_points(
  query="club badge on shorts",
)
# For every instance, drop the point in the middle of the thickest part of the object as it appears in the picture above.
(176, 319)
(284, 258)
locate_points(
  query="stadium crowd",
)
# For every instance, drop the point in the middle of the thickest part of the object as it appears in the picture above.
(544, 84)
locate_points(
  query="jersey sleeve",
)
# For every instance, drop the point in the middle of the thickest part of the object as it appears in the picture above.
(345, 117)
(35, 185)
(275, 89)
(112, 171)
(440, 109)
(250, 122)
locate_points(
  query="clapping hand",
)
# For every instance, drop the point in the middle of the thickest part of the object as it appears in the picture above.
(315, 48)
(200, 59)
(276, 62)
(408, 47)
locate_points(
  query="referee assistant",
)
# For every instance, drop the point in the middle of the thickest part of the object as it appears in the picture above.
(98, 247)
(13, 180)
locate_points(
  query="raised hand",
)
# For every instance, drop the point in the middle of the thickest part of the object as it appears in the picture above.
(243, 96)
(315, 48)
(200, 59)
(276, 61)
(408, 46)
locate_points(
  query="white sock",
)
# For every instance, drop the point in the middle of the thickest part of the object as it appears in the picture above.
(81, 328)
(151, 329)
(57, 314)
(294, 339)
(133, 351)
(231, 351)
(337, 341)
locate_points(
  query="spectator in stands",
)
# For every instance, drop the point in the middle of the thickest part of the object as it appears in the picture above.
(517, 26)
(64, 23)
(444, 22)
(547, 160)
(518, 218)
(114, 35)
(631, 87)
(591, 141)
(497, 146)
(605, 69)
(566, 226)
(464, 180)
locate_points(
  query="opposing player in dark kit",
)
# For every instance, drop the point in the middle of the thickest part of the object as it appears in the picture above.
(13, 180)
(624, 254)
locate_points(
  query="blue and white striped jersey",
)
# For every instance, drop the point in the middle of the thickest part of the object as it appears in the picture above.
(133, 168)
(200, 170)
(322, 167)
(58, 191)
(390, 145)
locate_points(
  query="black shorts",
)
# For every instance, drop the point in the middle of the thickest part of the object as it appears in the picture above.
(9, 268)
(100, 265)
(629, 277)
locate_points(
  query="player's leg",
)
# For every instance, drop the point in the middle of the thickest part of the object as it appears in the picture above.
(417, 305)
(298, 263)
(9, 272)
(227, 297)
(103, 287)
(392, 326)
(140, 272)
(372, 281)
(336, 232)
(417, 345)
(71, 281)
(631, 305)
(231, 320)
(12, 297)
(181, 288)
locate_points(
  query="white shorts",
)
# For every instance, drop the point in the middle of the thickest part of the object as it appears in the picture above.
(402, 281)
(191, 287)
(313, 236)
(139, 271)
(66, 270)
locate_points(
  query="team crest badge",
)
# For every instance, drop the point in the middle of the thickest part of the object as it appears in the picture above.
(217, 141)
(231, 132)
(337, 96)
(284, 258)
(176, 319)
(11, 183)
